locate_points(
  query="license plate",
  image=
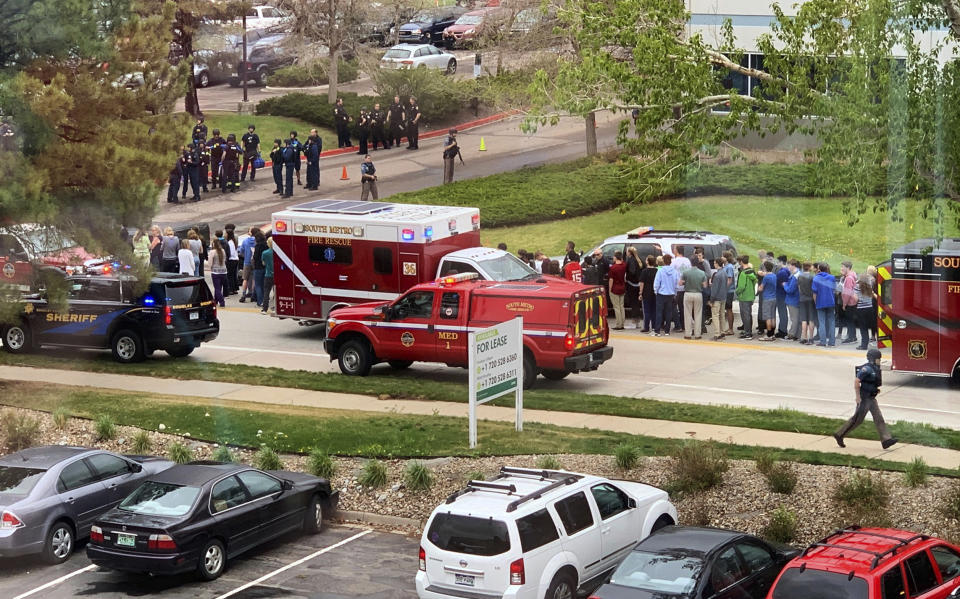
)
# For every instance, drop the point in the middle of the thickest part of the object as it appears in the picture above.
(463, 579)
(125, 540)
(194, 316)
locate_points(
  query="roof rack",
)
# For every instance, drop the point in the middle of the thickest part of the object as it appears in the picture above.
(877, 556)
(559, 478)
(479, 485)
(541, 473)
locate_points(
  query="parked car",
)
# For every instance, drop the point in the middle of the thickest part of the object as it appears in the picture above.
(381, 22)
(264, 58)
(42, 245)
(265, 17)
(872, 563)
(410, 56)
(470, 26)
(530, 530)
(197, 516)
(533, 20)
(427, 26)
(650, 241)
(210, 68)
(687, 562)
(50, 495)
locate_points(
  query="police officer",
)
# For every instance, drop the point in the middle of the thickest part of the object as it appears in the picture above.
(866, 385)
(276, 157)
(251, 149)
(394, 121)
(341, 121)
(413, 125)
(215, 146)
(176, 175)
(298, 148)
(377, 118)
(199, 131)
(363, 130)
(312, 150)
(204, 154)
(289, 159)
(368, 179)
(451, 149)
(231, 165)
(191, 163)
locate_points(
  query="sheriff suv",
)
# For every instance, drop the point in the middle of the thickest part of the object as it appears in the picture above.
(872, 563)
(530, 534)
(175, 313)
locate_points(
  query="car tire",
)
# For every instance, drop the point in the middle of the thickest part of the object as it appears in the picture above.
(355, 358)
(181, 351)
(529, 370)
(262, 76)
(662, 522)
(127, 347)
(212, 560)
(561, 587)
(58, 546)
(203, 80)
(17, 338)
(313, 519)
(452, 66)
(554, 375)
(400, 364)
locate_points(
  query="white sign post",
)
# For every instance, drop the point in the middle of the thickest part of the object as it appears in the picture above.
(496, 368)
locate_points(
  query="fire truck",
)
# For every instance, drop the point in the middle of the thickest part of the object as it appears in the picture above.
(919, 315)
(334, 253)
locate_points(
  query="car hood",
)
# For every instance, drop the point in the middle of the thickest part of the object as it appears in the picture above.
(414, 25)
(460, 28)
(358, 312)
(616, 591)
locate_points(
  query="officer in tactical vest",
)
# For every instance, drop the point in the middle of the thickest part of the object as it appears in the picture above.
(216, 145)
(199, 132)
(251, 149)
(866, 385)
(395, 118)
(230, 181)
(276, 157)
(377, 119)
(191, 163)
(363, 130)
(413, 125)
(312, 150)
(342, 122)
(290, 158)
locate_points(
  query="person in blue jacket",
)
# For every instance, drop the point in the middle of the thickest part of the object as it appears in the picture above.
(791, 288)
(276, 157)
(290, 163)
(768, 291)
(783, 273)
(311, 150)
(823, 287)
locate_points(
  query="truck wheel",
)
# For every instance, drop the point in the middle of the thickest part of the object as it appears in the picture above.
(181, 351)
(400, 364)
(661, 522)
(127, 347)
(16, 338)
(561, 588)
(555, 375)
(355, 358)
(452, 66)
(529, 370)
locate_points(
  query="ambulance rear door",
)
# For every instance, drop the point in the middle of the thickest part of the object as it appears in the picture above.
(382, 273)
(917, 303)
(411, 269)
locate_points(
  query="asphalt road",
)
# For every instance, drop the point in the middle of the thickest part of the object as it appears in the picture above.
(339, 562)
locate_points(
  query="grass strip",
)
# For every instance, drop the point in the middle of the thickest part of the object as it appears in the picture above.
(350, 433)
(412, 386)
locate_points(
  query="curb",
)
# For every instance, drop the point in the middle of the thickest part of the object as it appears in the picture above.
(325, 86)
(377, 519)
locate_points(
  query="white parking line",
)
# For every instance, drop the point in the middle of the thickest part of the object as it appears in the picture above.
(294, 564)
(266, 351)
(53, 583)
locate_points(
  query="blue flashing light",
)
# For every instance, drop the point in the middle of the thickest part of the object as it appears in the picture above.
(148, 300)
(407, 235)
(428, 232)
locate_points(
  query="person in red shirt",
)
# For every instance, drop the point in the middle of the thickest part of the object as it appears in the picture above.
(617, 286)
(572, 270)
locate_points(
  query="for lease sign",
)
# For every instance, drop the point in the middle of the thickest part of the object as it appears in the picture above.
(496, 368)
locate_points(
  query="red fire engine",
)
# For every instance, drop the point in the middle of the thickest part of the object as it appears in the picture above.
(919, 315)
(333, 253)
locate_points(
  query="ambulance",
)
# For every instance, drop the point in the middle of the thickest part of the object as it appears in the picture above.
(334, 253)
(919, 315)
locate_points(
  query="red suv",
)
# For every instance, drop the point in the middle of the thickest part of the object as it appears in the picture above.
(872, 563)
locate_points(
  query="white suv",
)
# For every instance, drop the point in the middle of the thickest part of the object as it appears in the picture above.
(532, 534)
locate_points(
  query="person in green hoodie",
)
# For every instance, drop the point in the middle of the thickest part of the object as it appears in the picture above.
(746, 293)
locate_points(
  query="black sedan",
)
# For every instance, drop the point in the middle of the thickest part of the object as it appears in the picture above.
(196, 516)
(690, 562)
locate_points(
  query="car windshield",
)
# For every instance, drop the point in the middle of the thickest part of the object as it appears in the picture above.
(469, 20)
(808, 583)
(46, 240)
(470, 535)
(507, 268)
(658, 572)
(160, 499)
(186, 295)
(18, 481)
(397, 53)
(423, 18)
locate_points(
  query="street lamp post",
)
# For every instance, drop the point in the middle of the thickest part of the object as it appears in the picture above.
(243, 64)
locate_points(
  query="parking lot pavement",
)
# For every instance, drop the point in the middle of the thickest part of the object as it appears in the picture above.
(340, 562)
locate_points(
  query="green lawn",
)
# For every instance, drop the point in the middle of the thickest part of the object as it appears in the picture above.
(806, 228)
(268, 128)
(350, 433)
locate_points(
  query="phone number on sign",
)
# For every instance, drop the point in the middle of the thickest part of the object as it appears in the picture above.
(497, 378)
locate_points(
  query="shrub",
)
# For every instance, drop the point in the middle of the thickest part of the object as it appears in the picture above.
(765, 460)
(320, 464)
(916, 473)
(438, 95)
(697, 466)
(104, 428)
(374, 474)
(178, 453)
(314, 73)
(417, 477)
(20, 431)
(313, 109)
(267, 459)
(223, 454)
(626, 456)
(142, 443)
(61, 417)
(782, 478)
(863, 499)
(782, 527)
(548, 462)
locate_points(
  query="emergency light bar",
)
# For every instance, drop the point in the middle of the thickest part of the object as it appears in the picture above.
(638, 232)
(458, 278)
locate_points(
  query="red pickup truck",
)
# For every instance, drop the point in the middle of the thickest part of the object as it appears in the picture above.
(564, 325)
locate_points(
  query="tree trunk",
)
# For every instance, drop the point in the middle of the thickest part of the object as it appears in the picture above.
(591, 130)
(191, 104)
(334, 75)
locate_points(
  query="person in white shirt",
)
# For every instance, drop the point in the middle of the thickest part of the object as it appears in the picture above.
(185, 256)
(233, 261)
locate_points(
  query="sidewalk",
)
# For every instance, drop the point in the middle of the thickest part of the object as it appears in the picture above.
(663, 429)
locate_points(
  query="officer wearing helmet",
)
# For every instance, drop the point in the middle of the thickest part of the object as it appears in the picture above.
(866, 385)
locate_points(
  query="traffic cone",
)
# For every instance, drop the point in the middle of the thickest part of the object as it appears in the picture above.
(483, 145)
(344, 176)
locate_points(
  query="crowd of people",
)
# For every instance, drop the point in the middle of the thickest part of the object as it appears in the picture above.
(801, 301)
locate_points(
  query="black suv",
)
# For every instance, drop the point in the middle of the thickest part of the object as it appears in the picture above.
(263, 59)
(176, 314)
(428, 26)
